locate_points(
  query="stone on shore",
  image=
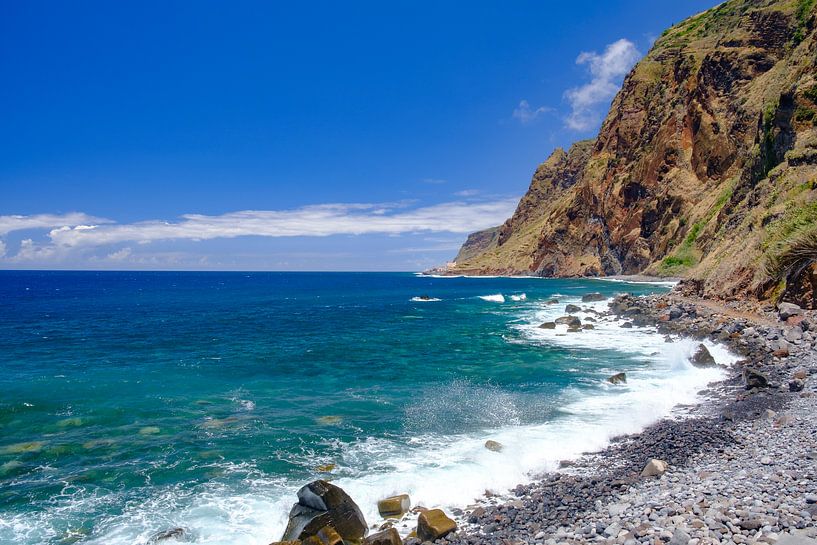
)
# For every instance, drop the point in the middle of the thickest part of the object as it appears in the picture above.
(754, 379)
(654, 468)
(434, 524)
(394, 506)
(787, 310)
(592, 297)
(494, 446)
(702, 358)
(618, 378)
(323, 504)
(386, 537)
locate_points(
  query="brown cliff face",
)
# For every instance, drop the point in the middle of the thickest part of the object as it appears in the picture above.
(701, 168)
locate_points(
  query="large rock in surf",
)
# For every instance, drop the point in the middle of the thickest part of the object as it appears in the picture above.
(654, 468)
(569, 321)
(702, 357)
(618, 378)
(394, 506)
(572, 309)
(323, 504)
(434, 524)
(548, 325)
(494, 446)
(592, 297)
(386, 537)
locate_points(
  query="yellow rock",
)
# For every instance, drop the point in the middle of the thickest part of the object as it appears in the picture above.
(325, 468)
(434, 524)
(386, 537)
(70, 422)
(325, 536)
(20, 448)
(149, 430)
(330, 420)
(394, 506)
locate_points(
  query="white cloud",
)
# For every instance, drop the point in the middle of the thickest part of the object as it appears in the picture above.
(525, 114)
(606, 70)
(2, 248)
(467, 193)
(45, 221)
(309, 221)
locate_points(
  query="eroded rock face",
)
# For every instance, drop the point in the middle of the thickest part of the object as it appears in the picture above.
(702, 165)
(322, 504)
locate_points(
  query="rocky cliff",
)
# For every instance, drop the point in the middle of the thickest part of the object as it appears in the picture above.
(705, 166)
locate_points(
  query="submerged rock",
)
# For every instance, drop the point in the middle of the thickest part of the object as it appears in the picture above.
(394, 506)
(592, 297)
(548, 325)
(618, 378)
(323, 504)
(173, 533)
(702, 357)
(434, 524)
(495, 446)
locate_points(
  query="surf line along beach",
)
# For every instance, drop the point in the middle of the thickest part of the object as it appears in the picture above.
(702, 478)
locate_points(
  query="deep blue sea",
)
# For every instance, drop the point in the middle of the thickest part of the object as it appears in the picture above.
(132, 403)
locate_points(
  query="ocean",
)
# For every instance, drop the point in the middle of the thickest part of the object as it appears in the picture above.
(136, 402)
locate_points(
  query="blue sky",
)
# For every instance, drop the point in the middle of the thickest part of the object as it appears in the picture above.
(291, 136)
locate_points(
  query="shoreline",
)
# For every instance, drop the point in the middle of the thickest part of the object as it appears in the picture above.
(602, 498)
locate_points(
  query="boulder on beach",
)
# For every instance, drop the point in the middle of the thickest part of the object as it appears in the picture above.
(394, 506)
(548, 325)
(654, 468)
(702, 357)
(618, 378)
(592, 297)
(572, 309)
(386, 537)
(754, 379)
(787, 310)
(323, 504)
(494, 446)
(434, 524)
(570, 321)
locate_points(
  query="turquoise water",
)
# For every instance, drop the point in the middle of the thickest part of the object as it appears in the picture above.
(137, 402)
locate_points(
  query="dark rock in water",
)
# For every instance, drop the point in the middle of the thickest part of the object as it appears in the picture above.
(572, 309)
(552, 302)
(323, 504)
(618, 378)
(702, 357)
(173, 533)
(627, 325)
(434, 524)
(476, 514)
(796, 385)
(574, 329)
(386, 537)
(494, 446)
(592, 297)
(754, 379)
(394, 506)
(548, 325)
(325, 536)
(570, 321)
(588, 326)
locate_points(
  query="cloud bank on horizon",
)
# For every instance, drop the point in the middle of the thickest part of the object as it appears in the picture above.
(81, 240)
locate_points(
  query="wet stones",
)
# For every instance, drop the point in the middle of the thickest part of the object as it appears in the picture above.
(569, 321)
(548, 325)
(386, 537)
(572, 309)
(394, 506)
(323, 504)
(592, 297)
(434, 524)
(494, 446)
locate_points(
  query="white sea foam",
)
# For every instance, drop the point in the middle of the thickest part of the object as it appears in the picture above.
(433, 468)
(519, 297)
(495, 298)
